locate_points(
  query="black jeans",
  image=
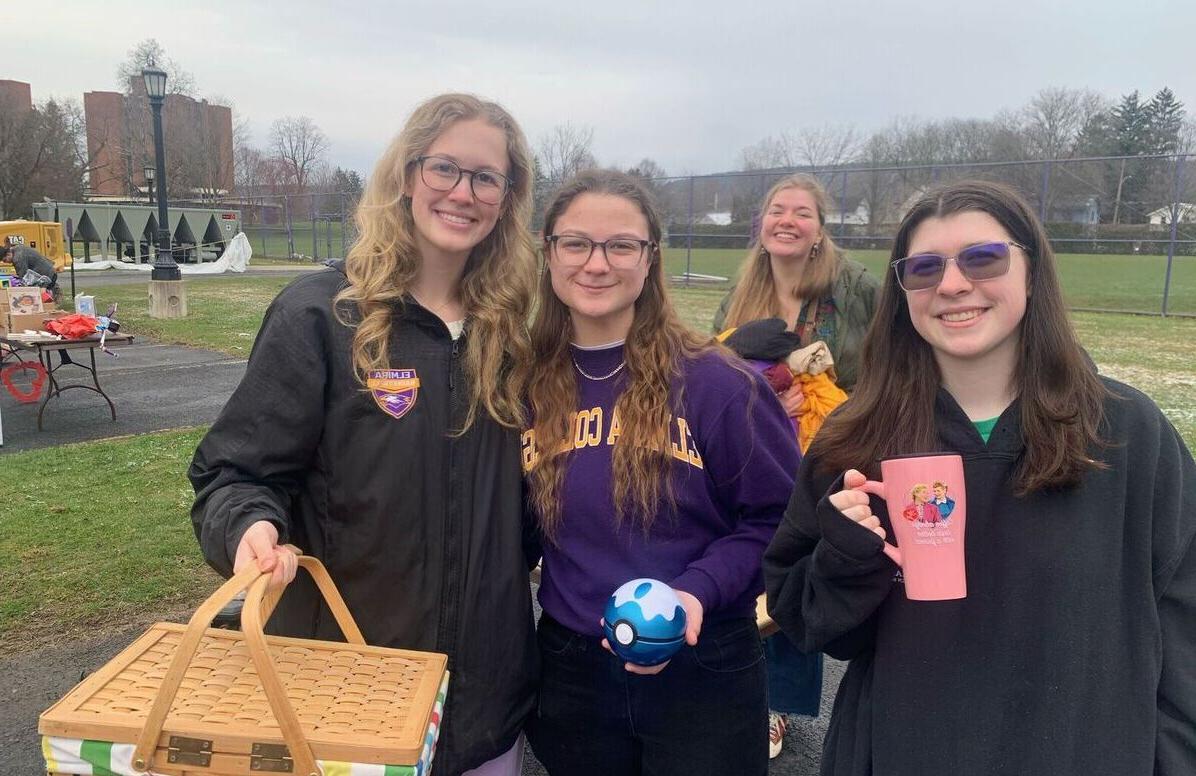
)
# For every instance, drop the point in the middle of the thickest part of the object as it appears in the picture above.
(705, 713)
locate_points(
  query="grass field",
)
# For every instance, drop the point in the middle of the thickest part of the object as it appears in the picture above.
(101, 537)
(271, 241)
(1129, 283)
(87, 545)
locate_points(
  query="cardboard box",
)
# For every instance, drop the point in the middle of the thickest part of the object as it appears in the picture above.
(23, 300)
(36, 321)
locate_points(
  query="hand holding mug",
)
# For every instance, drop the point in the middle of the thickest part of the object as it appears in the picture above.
(854, 504)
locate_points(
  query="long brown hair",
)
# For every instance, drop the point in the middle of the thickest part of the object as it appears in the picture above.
(656, 346)
(496, 285)
(1062, 399)
(755, 294)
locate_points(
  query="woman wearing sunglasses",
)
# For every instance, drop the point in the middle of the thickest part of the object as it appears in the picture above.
(651, 454)
(377, 426)
(1074, 651)
(796, 272)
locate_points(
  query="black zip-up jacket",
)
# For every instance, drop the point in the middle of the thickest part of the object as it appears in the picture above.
(421, 530)
(1074, 653)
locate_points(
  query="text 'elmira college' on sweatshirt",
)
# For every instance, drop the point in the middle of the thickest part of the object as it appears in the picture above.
(734, 457)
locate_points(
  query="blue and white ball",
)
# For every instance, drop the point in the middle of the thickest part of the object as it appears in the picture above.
(644, 622)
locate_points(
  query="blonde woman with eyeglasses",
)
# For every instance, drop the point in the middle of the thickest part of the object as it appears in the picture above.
(377, 426)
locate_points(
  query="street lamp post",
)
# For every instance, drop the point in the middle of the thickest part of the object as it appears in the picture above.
(167, 297)
(164, 265)
(148, 172)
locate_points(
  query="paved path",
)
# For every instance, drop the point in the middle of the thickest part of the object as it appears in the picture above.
(153, 386)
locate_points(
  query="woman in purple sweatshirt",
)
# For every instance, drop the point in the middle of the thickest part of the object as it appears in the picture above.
(651, 453)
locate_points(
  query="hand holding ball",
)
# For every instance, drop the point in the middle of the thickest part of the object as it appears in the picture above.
(644, 622)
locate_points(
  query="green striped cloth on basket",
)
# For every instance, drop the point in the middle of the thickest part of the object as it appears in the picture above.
(104, 758)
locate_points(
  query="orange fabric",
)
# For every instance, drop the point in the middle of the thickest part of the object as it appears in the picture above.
(821, 396)
(73, 326)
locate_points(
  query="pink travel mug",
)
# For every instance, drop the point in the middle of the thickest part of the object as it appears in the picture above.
(927, 505)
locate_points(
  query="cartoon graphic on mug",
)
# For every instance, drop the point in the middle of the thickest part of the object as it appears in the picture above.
(927, 503)
(945, 503)
(922, 509)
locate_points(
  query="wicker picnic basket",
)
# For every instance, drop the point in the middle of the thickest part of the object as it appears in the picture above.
(191, 700)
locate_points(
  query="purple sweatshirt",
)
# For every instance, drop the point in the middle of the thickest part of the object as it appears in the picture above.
(734, 460)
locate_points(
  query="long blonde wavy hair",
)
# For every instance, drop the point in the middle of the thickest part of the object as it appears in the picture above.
(656, 347)
(496, 285)
(755, 295)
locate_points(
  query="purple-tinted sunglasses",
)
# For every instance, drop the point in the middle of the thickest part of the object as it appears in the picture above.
(984, 261)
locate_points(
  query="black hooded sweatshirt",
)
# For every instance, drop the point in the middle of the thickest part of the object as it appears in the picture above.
(1074, 652)
(421, 529)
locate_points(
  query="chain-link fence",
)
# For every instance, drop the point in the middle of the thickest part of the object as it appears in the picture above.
(297, 227)
(1124, 228)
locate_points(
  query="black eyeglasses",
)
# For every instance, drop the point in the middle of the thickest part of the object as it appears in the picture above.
(440, 174)
(573, 250)
(977, 263)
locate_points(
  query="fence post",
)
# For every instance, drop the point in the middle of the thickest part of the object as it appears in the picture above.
(315, 246)
(286, 209)
(1177, 188)
(843, 205)
(344, 244)
(1042, 197)
(689, 239)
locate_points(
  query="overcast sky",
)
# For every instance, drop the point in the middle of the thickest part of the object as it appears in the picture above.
(688, 84)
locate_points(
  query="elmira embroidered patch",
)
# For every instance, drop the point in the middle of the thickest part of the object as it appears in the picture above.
(394, 390)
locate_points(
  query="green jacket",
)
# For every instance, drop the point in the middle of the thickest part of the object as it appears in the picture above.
(841, 319)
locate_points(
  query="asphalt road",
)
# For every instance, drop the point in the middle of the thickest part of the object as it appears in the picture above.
(89, 279)
(153, 387)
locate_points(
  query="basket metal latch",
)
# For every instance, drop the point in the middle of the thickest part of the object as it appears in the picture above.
(271, 758)
(189, 751)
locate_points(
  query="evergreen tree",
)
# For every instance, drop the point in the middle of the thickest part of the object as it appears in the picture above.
(1131, 126)
(1165, 117)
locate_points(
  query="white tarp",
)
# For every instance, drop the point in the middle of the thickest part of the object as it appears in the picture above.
(234, 259)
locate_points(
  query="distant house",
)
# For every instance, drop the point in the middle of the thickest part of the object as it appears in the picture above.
(1187, 214)
(857, 216)
(1079, 211)
(719, 218)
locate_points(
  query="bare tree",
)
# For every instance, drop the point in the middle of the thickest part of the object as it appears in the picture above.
(136, 142)
(1187, 138)
(248, 171)
(766, 154)
(300, 146)
(563, 151)
(648, 169)
(40, 155)
(151, 52)
(1054, 118)
(829, 145)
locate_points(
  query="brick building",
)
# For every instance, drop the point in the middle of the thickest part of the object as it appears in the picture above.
(15, 95)
(120, 142)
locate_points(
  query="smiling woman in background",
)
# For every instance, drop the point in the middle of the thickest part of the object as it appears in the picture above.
(795, 272)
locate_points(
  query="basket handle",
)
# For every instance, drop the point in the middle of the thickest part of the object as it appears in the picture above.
(253, 616)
